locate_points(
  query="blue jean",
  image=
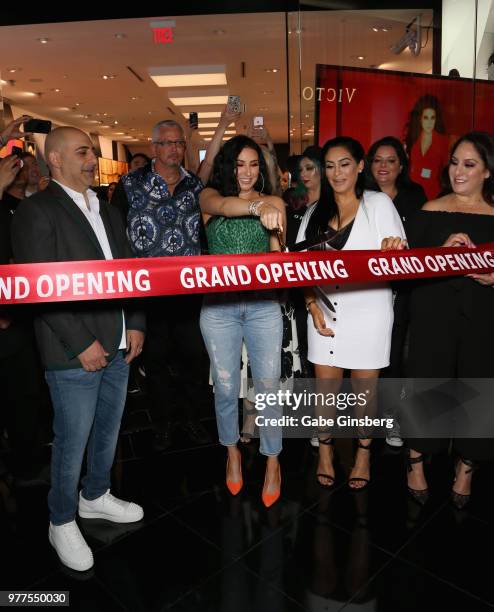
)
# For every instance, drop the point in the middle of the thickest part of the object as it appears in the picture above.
(226, 320)
(87, 408)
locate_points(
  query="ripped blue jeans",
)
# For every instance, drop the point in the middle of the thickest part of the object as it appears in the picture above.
(226, 320)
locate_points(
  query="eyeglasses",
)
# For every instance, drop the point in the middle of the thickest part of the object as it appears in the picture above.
(170, 143)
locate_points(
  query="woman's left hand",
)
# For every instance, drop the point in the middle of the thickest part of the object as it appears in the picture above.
(393, 243)
(484, 279)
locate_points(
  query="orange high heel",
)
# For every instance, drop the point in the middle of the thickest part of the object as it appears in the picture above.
(234, 487)
(268, 499)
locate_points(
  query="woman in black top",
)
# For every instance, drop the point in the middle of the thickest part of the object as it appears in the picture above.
(451, 331)
(387, 170)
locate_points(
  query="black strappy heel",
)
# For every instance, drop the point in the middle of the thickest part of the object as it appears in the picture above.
(331, 483)
(366, 481)
(421, 496)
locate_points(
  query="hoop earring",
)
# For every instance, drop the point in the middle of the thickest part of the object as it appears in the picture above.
(262, 188)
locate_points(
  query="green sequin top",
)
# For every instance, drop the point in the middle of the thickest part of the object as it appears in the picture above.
(235, 235)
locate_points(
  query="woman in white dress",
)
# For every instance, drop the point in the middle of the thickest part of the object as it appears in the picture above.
(349, 325)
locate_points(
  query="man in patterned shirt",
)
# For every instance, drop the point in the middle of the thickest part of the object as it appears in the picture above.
(160, 203)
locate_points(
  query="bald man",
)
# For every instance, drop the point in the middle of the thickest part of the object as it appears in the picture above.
(86, 347)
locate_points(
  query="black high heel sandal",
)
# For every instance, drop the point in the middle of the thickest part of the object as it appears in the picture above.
(366, 481)
(331, 483)
(460, 500)
(421, 496)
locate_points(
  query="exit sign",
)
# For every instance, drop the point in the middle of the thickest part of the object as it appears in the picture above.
(162, 31)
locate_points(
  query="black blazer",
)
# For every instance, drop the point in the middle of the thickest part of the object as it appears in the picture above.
(49, 226)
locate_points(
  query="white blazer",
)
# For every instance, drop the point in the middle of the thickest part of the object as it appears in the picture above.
(363, 320)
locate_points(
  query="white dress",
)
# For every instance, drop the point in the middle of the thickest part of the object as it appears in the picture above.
(363, 320)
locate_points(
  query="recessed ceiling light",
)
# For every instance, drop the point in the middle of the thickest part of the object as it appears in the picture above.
(360, 57)
(188, 76)
(178, 99)
(107, 77)
(271, 70)
(12, 70)
(266, 92)
(208, 125)
(77, 104)
(208, 133)
(148, 138)
(56, 90)
(386, 29)
(133, 98)
(44, 41)
(119, 133)
(374, 29)
(115, 122)
(105, 126)
(120, 35)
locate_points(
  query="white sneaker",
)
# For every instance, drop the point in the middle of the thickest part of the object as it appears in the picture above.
(110, 508)
(393, 437)
(70, 546)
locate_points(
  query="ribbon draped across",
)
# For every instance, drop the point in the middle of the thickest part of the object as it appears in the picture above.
(130, 278)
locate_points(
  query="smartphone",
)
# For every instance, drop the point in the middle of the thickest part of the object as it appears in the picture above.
(258, 122)
(38, 126)
(193, 121)
(234, 104)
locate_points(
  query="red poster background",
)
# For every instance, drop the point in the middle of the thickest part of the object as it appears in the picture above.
(383, 100)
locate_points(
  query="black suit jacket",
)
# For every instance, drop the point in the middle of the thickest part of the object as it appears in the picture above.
(49, 226)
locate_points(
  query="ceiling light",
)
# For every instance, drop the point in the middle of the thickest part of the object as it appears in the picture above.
(56, 90)
(120, 35)
(374, 29)
(206, 133)
(77, 104)
(104, 126)
(205, 114)
(208, 125)
(107, 77)
(360, 57)
(187, 76)
(207, 139)
(12, 70)
(119, 133)
(386, 29)
(266, 92)
(2, 82)
(271, 70)
(44, 41)
(198, 100)
(115, 122)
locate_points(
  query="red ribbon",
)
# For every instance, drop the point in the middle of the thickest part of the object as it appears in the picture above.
(130, 278)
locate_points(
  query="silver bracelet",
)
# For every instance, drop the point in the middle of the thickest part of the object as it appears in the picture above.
(254, 208)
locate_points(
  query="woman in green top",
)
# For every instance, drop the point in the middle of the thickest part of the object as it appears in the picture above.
(241, 217)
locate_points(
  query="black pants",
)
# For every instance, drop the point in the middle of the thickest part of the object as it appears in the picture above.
(450, 344)
(22, 398)
(176, 362)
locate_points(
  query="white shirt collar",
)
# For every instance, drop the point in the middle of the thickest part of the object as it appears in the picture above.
(78, 197)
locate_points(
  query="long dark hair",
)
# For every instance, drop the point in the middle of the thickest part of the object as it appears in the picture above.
(403, 179)
(327, 209)
(224, 176)
(484, 145)
(414, 125)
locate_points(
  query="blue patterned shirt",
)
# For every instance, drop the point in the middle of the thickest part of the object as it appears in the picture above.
(160, 223)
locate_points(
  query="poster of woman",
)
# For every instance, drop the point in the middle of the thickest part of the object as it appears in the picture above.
(427, 144)
(426, 113)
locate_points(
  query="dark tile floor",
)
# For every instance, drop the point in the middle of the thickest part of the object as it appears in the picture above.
(200, 549)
